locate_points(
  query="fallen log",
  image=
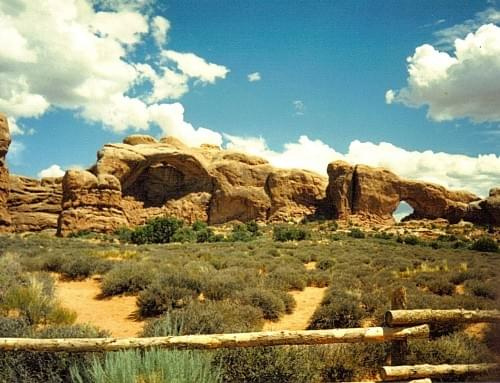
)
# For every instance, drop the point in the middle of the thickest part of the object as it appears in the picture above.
(251, 339)
(416, 317)
(435, 371)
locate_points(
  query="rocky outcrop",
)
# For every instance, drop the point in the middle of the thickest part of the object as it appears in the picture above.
(5, 220)
(91, 202)
(157, 178)
(373, 194)
(486, 211)
(34, 205)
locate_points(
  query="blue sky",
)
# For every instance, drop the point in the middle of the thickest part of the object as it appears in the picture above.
(333, 82)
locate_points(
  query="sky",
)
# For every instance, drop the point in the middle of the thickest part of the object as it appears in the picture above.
(410, 86)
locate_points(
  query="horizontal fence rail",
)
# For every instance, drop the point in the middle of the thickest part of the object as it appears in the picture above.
(250, 339)
(416, 317)
(391, 373)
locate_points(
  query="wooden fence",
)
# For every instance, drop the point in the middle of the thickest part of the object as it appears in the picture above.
(401, 325)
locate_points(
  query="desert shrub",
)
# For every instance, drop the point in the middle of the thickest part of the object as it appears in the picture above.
(149, 366)
(459, 244)
(285, 233)
(240, 233)
(435, 245)
(124, 234)
(411, 240)
(128, 277)
(338, 310)
(209, 317)
(457, 348)
(465, 275)
(383, 235)
(269, 302)
(53, 263)
(158, 299)
(184, 235)
(485, 244)
(35, 304)
(482, 289)
(318, 278)
(14, 327)
(440, 286)
(156, 230)
(286, 278)
(11, 275)
(325, 263)
(253, 228)
(357, 233)
(185, 279)
(222, 285)
(207, 235)
(81, 267)
(51, 367)
(267, 365)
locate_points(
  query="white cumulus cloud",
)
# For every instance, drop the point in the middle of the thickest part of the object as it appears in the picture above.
(66, 54)
(454, 171)
(255, 76)
(170, 119)
(195, 66)
(160, 27)
(463, 84)
(52, 171)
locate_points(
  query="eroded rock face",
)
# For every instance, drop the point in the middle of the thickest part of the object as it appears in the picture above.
(373, 194)
(34, 205)
(5, 219)
(486, 211)
(167, 178)
(91, 202)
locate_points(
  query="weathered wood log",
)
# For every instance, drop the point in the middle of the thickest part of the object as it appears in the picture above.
(251, 339)
(416, 317)
(425, 380)
(428, 370)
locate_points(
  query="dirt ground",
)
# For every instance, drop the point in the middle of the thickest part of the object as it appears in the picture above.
(114, 314)
(307, 302)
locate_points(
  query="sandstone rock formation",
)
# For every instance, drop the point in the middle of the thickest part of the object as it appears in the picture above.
(486, 211)
(142, 178)
(34, 205)
(91, 202)
(5, 220)
(373, 194)
(152, 178)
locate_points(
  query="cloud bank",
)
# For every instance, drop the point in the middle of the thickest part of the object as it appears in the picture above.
(95, 75)
(460, 84)
(454, 171)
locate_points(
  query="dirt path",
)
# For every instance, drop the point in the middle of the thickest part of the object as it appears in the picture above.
(112, 314)
(307, 302)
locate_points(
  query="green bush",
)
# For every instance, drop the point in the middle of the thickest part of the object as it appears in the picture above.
(124, 234)
(156, 230)
(149, 366)
(485, 244)
(81, 267)
(267, 365)
(318, 278)
(482, 289)
(338, 310)
(289, 233)
(129, 277)
(441, 286)
(411, 240)
(240, 233)
(184, 235)
(287, 278)
(51, 367)
(357, 233)
(207, 317)
(325, 263)
(463, 276)
(269, 302)
(158, 299)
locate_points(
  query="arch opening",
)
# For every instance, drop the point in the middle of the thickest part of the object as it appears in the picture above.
(403, 211)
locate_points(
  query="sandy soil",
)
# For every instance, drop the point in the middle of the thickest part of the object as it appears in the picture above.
(310, 265)
(307, 302)
(113, 314)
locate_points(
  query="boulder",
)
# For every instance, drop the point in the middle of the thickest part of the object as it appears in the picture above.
(5, 219)
(139, 139)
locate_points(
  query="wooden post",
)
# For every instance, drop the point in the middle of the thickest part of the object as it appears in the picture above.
(416, 317)
(397, 355)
